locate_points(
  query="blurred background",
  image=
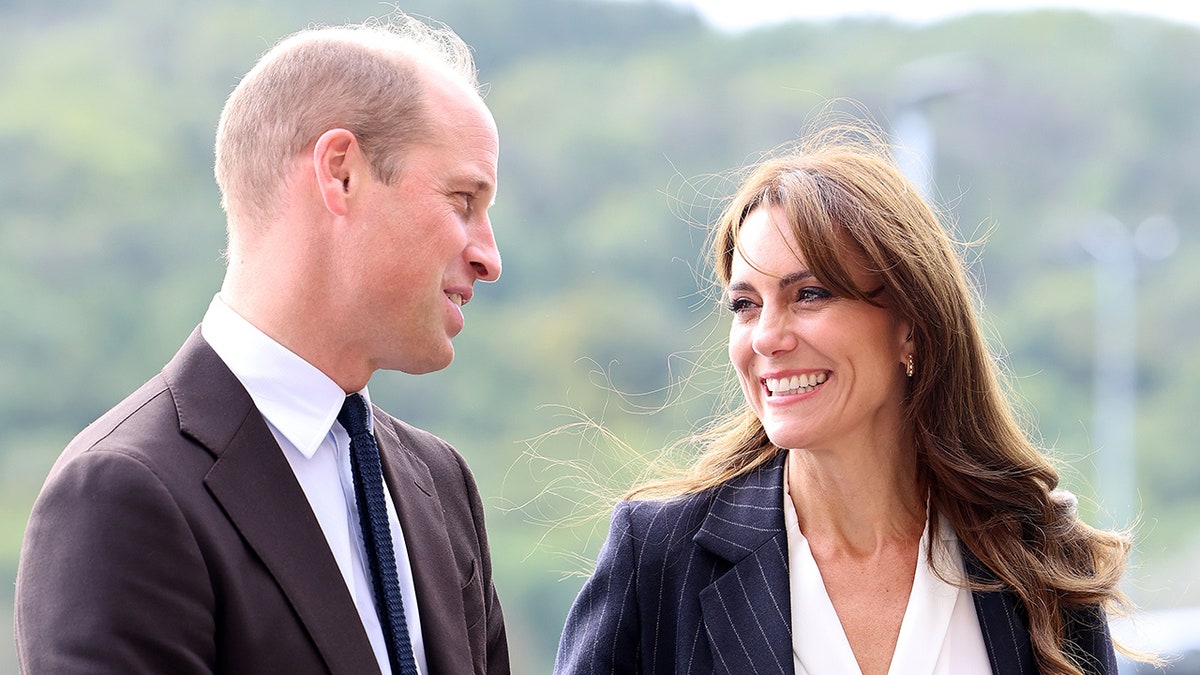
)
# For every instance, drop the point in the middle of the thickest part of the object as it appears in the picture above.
(1064, 143)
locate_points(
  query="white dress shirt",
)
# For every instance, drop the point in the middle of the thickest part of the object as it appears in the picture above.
(300, 405)
(939, 634)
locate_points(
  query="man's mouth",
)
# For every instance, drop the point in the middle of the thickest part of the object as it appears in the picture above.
(456, 298)
(796, 384)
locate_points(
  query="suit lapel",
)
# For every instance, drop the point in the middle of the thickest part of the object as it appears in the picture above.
(1003, 624)
(746, 610)
(435, 569)
(255, 486)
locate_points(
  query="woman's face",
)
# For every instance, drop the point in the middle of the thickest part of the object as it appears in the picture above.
(819, 371)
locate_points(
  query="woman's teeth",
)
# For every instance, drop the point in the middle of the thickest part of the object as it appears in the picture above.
(796, 384)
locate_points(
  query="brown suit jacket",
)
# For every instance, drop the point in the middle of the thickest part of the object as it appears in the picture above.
(172, 537)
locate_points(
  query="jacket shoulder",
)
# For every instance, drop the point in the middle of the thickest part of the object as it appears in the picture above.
(438, 454)
(144, 426)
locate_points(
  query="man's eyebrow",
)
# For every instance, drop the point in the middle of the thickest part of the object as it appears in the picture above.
(479, 184)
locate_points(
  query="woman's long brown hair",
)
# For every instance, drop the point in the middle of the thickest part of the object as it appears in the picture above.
(841, 188)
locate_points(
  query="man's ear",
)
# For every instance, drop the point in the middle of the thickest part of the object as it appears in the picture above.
(337, 164)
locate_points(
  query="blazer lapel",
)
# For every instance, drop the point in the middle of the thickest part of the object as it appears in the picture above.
(746, 610)
(255, 486)
(435, 570)
(1004, 626)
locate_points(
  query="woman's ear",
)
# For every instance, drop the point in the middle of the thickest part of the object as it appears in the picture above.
(905, 333)
(904, 328)
(335, 156)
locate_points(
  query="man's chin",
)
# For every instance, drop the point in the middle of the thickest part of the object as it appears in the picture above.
(426, 363)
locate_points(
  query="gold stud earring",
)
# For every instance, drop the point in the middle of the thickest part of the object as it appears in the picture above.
(909, 369)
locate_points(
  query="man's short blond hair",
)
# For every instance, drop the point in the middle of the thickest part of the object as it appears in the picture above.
(366, 78)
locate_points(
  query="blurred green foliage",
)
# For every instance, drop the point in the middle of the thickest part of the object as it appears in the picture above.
(617, 122)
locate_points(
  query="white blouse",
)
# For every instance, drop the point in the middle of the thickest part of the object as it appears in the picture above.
(939, 634)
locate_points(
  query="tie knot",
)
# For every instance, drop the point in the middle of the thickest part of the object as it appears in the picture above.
(354, 415)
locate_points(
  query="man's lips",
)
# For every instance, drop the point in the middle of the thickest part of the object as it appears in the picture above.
(459, 296)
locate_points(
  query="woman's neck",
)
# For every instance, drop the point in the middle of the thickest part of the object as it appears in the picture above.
(857, 503)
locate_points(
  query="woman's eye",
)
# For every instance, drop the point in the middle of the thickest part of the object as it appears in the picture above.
(740, 305)
(812, 294)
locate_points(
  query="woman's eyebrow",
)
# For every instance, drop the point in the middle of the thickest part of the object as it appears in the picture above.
(794, 278)
(784, 281)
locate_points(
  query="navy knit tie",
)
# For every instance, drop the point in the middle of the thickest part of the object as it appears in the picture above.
(377, 535)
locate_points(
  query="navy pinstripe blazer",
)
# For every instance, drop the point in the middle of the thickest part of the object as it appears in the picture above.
(699, 584)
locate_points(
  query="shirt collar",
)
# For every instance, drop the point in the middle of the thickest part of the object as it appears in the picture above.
(295, 397)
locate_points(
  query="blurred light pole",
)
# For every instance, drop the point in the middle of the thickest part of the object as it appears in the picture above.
(1115, 251)
(913, 134)
(918, 84)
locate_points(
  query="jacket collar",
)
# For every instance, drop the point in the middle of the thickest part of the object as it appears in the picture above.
(1001, 619)
(746, 609)
(255, 486)
(746, 513)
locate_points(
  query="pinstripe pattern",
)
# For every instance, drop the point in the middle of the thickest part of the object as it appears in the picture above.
(699, 584)
(1005, 628)
(696, 585)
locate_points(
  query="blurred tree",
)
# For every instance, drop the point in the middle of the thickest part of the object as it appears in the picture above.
(619, 122)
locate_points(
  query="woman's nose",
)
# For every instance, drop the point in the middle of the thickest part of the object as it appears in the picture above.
(773, 334)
